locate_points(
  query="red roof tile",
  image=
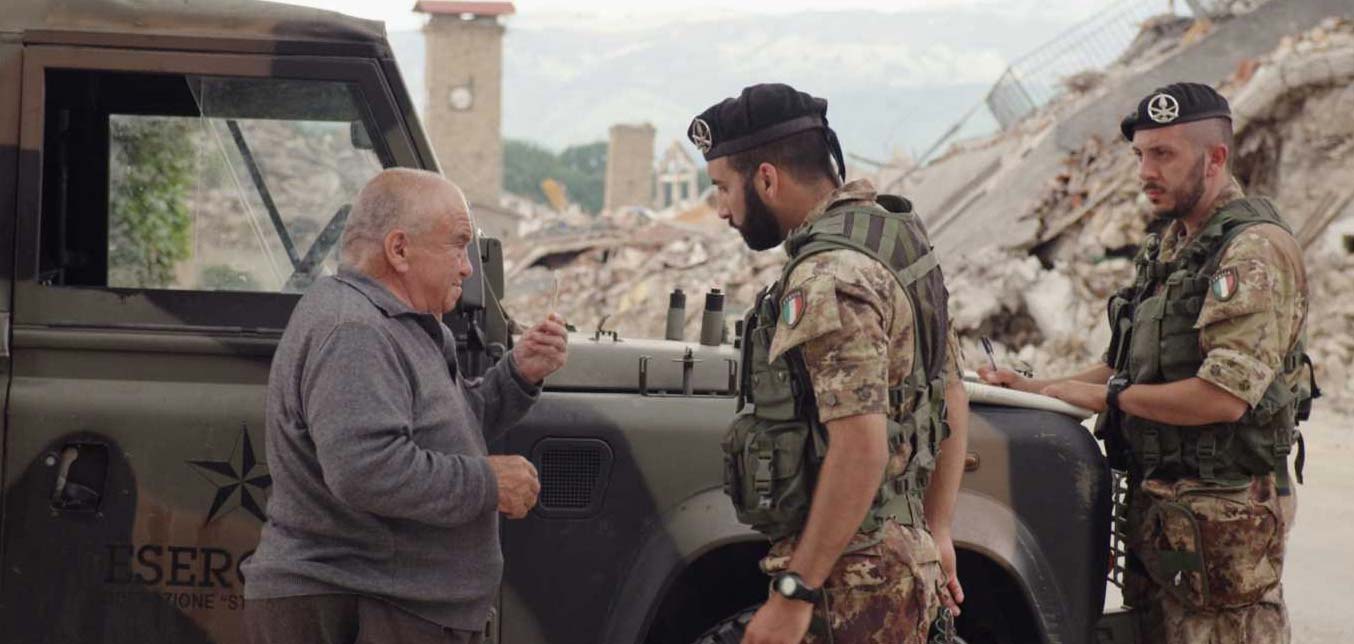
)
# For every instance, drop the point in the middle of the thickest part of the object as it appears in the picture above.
(456, 8)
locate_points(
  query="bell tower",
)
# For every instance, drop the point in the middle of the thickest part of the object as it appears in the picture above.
(463, 68)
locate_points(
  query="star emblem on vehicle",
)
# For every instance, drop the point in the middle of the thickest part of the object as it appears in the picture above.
(241, 472)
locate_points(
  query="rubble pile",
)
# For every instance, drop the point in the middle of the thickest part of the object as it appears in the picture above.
(625, 287)
(1042, 301)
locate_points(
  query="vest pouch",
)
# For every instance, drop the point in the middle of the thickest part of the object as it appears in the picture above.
(772, 385)
(1179, 355)
(766, 473)
(1212, 546)
(1144, 353)
(1121, 326)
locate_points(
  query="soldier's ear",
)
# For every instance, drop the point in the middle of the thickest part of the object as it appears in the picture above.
(767, 178)
(1218, 155)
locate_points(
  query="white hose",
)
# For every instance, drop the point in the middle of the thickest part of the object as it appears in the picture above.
(990, 395)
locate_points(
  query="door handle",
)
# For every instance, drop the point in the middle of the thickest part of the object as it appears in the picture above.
(82, 469)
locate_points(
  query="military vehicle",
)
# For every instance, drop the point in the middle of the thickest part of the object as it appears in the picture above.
(172, 175)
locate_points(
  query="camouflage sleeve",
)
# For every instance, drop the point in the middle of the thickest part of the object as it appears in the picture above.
(1244, 324)
(954, 357)
(839, 321)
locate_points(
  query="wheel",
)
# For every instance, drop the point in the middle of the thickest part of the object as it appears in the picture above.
(983, 621)
(730, 629)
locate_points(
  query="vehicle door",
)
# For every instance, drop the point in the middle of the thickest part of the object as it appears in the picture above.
(174, 207)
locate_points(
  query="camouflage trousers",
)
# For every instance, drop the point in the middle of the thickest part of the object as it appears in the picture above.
(887, 587)
(1206, 561)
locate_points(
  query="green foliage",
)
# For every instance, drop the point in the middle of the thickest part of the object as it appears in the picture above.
(581, 168)
(220, 277)
(149, 225)
(589, 159)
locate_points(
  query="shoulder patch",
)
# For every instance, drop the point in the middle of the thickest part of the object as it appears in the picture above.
(792, 308)
(807, 311)
(1224, 284)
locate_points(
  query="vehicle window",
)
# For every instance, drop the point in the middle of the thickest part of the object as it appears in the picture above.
(212, 183)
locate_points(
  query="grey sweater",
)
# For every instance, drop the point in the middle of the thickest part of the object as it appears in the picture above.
(376, 446)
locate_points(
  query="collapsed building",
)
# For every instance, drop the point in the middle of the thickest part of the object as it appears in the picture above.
(1037, 224)
(1042, 298)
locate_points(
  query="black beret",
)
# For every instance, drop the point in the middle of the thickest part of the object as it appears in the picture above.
(761, 114)
(1174, 104)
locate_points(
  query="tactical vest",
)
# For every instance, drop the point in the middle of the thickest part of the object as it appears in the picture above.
(773, 452)
(1154, 341)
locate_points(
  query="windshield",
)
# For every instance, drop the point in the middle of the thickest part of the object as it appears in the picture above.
(250, 195)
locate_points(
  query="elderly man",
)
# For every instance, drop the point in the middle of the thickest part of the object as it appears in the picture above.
(382, 525)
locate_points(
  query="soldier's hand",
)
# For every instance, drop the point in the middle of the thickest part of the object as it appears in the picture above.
(779, 621)
(542, 350)
(948, 565)
(518, 485)
(999, 377)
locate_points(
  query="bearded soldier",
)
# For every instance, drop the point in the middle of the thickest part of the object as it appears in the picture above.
(1203, 384)
(844, 457)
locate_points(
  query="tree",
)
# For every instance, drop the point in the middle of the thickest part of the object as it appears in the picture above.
(149, 223)
(581, 168)
(587, 181)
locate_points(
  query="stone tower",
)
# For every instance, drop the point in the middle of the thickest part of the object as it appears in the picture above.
(629, 167)
(463, 68)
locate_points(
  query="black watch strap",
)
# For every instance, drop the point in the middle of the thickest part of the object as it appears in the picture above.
(791, 586)
(1113, 388)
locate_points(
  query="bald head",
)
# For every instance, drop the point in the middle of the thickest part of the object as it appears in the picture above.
(410, 230)
(397, 199)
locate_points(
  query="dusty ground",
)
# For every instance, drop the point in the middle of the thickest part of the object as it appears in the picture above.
(1320, 568)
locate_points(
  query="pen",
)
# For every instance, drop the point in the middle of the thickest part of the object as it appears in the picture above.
(987, 348)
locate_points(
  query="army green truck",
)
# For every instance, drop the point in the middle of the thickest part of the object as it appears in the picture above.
(172, 176)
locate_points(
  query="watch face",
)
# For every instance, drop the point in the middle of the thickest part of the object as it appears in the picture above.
(787, 586)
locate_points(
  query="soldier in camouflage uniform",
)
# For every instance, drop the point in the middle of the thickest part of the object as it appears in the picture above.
(846, 319)
(1206, 381)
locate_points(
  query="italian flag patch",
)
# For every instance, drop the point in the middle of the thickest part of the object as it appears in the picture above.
(792, 308)
(1224, 284)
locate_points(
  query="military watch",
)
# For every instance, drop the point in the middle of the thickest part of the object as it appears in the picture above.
(1113, 388)
(791, 586)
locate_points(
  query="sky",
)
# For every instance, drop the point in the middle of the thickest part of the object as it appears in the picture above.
(898, 82)
(399, 16)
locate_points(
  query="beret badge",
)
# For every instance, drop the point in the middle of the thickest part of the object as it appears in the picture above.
(1163, 108)
(700, 135)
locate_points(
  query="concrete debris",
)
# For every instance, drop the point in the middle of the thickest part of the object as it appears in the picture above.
(1042, 300)
(1084, 81)
(1156, 37)
(620, 280)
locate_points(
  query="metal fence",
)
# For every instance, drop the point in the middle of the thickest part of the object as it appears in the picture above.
(1038, 77)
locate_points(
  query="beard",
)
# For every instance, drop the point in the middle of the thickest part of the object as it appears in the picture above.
(1188, 197)
(759, 230)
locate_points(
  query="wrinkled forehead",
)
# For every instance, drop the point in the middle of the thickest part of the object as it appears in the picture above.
(441, 200)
